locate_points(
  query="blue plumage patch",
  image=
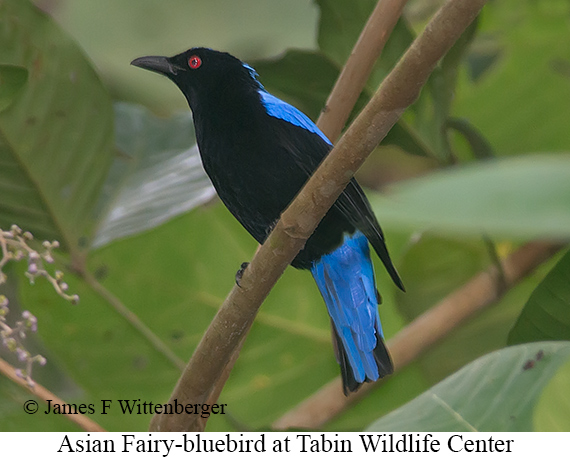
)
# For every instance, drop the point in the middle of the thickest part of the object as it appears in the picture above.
(278, 108)
(345, 278)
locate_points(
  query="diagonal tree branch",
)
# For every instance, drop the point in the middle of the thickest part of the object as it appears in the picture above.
(400, 88)
(42, 393)
(154, 340)
(482, 291)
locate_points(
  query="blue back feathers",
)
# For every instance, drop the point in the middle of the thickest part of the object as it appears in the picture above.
(281, 110)
(345, 278)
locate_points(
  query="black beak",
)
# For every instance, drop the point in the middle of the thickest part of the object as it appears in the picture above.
(158, 64)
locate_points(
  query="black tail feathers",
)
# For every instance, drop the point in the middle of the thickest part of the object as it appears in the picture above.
(381, 356)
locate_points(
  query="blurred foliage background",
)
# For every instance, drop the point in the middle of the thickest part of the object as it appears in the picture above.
(101, 156)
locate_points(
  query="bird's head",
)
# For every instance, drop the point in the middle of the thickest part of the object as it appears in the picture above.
(200, 72)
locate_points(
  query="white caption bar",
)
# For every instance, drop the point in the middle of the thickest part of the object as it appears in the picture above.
(273, 443)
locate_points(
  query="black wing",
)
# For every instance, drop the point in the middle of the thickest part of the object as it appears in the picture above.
(354, 205)
(308, 149)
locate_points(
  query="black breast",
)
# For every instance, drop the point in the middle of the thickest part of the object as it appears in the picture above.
(258, 164)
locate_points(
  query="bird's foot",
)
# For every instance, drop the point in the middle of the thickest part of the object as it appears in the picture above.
(240, 272)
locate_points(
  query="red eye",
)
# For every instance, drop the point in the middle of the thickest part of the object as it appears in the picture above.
(194, 62)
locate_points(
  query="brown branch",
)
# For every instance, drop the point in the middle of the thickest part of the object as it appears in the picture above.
(358, 66)
(482, 291)
(43, 394)
(400, 88)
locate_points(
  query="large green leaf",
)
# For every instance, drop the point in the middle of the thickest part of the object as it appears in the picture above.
(519, 197)
(433, 267)
(546, 315)
(12, 80)
(497, 392)
(552, 413)
(157, 176)
(55, 137)
(521, 101)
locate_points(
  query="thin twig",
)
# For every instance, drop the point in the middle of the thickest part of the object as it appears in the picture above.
(133, 319)
(496, 260)
(482, 291)
(400, 88)
(43, 394)
(358, 66)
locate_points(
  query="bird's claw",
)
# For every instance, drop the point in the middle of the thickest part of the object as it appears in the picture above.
(239, 273)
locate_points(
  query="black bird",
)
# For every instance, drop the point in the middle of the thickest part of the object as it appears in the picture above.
(258, 152)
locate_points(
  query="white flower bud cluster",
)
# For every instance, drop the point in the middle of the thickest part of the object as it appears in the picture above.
(12, 338)
(15, 246)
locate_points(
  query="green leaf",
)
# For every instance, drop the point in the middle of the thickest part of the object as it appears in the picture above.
(340, 26)
(521, 101)
(480, 147)
(433, 267)
(55, 138)
(519, 197)
(497, 392)
(552, 413)
(546, 315)
(483, 55)
(429, 114)
(407, 138)
(157, 176)
(12, 80)
(441, 85)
